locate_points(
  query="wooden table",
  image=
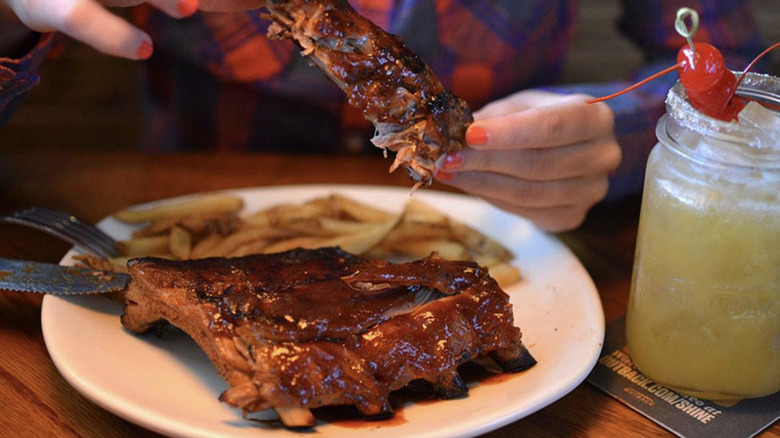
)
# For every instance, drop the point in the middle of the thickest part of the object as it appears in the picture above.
(37, 401)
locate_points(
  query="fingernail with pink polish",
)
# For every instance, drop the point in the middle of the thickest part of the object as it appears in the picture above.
(445, 176)
(186, 7)
(476, 136)
(145, 50)
(452, 161)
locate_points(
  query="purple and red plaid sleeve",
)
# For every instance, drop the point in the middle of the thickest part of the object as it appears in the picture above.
(19, 76)
(217, 83)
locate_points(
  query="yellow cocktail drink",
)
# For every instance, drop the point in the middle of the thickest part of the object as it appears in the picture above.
(704, 312)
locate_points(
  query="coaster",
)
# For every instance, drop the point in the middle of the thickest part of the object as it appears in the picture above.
(683, 415)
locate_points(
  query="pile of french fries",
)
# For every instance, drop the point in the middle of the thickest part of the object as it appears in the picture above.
(216, 226)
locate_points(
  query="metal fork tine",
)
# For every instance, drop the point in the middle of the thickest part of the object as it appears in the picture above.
(67, 227)
(80, 226)
(57, 231)
(83, 239)
(72, 234)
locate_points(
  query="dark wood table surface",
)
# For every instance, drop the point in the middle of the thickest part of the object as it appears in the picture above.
(38, 402)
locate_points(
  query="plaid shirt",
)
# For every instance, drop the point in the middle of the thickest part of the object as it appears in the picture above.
(215, 82)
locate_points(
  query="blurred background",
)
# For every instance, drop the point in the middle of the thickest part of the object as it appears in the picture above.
(89, 101)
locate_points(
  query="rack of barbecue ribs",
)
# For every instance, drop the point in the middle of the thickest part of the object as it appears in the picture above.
(303, 329)
(415, 116)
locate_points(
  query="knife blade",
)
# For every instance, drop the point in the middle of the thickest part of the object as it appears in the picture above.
(27, 276)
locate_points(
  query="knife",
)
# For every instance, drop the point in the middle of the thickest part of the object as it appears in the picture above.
(26, 276)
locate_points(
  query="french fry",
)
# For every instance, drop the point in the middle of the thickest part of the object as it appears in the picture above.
(307, 242)
(180, 242)
(305, 226)
(196, 224)
(144, 246)
(285, 213)
(211, 227)
(447, 249)
(339, 226)
(359, 243)
(326, 226)
(120, 263)
(359, 211)
(231, 242)
(406, 231)
(418, 211)
(252, 247)
(209, 223)
(419, 222)
(505, 274)
(211, 204)
(156, 228)
(487, 260)
(205, 245)
(480, 243)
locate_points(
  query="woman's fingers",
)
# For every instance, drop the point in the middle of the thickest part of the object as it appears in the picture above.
(566, 122)
(91, 23)
(590, 158)
(537, 154)
(176, 8)
(88, 22)
(587, 189)
(517, 102)
(553, 205)
(552, 219)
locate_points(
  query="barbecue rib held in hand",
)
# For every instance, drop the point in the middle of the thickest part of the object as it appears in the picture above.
(414, 115)
(308, 328)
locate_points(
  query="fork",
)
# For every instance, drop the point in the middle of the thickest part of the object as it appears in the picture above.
(68, 227)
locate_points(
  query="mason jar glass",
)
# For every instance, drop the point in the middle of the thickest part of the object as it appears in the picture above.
(704, 311)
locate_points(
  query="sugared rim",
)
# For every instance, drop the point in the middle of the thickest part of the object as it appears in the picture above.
(755, 85)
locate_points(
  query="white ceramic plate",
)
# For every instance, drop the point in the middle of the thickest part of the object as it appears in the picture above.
(167, 384)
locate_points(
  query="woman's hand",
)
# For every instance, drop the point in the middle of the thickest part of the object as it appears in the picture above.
(540, 155)
(90, 22)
